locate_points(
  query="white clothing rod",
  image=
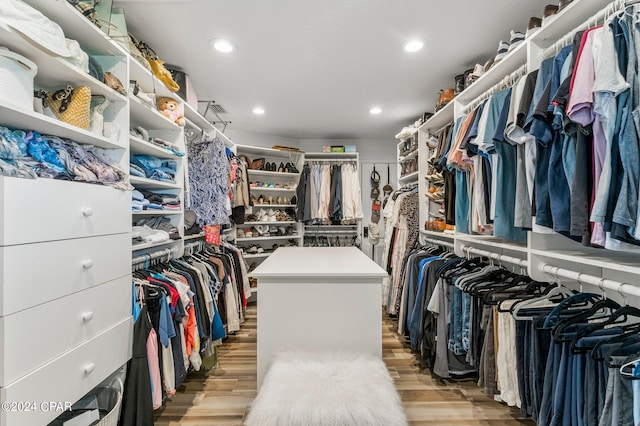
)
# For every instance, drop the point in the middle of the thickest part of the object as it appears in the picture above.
(507, 81)
(439, 242)
(602, 283)
(601, 16)
(151, 256)
(523, 263)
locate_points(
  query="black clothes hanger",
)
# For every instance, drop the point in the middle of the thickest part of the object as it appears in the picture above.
(619, 317)
(564, 325)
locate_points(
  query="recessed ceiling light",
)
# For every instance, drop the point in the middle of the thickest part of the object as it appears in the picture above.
(375, 110)
(222, 45)
(413, 46)
(258, 110)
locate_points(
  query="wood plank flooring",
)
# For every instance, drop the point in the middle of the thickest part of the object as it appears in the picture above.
(221, 396)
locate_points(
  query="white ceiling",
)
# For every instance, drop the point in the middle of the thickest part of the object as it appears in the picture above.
(318, 66)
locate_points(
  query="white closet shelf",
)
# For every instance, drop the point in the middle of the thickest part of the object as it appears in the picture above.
(262, 189)
(330, 155)
(55, 73)
(490, 240)
(409, 156)
(435, 234)
(439, 119)
(148, 117)
(271, 174)
(193, 237)
(138, 247)
(268, 152)
(282, 222)
(576, 12)
(281, 206)
(156, 212)
(139, 146)
(510, 63)
(139, 182)
(77, 27)
(411, 177)
(15, 118)
(282, 237)
(606, 259)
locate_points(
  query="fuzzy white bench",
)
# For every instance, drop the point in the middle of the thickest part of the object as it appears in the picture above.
(325, 389)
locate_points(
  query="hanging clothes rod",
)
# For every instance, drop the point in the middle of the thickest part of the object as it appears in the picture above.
(594, 20)
(523, 263)
(506, 82)
(152, 256)
(440, 243)
(603, 283)
(194, 126)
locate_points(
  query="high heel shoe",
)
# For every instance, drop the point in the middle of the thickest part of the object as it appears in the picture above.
(279, 200)
(281, 168)
(261, 199)
(269, 200)
(253, 200)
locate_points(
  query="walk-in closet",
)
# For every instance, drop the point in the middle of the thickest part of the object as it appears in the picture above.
(307, 214)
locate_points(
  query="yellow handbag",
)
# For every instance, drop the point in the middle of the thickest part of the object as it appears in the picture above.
(158, 68)
(73, 106)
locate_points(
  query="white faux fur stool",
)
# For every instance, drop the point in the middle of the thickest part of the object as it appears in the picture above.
(326, 389)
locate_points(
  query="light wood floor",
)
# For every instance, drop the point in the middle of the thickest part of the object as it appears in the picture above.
(221, 396)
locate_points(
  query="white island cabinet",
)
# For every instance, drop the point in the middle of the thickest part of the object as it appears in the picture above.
(318, 299)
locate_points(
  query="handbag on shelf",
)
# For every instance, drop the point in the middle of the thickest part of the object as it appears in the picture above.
(71, 105)
(96, 11)
(114, 82)
(136, 54)
(157, 67)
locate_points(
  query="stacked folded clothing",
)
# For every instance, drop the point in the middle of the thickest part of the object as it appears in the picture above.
(161, 223)
(31, 155)
(142, 199)
(138, 202)
(150, 167)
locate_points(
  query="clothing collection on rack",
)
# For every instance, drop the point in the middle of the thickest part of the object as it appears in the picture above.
(240, 193)
(401, 235)
(562, 357)
(329, 193)
(209, 180)
(182, 309)
(559, 149)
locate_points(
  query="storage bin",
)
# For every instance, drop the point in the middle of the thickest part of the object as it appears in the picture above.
(349, 148)
(335, 148)
(16, 79)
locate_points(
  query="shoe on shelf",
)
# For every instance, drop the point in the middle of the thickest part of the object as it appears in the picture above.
(279, 200)
(248, 233)
(273, 230)
(259, 250)
(252, 250)
(282, 230)
(239, 233)
(294, 200)
(281, 168)
(254, 232)
(269, 200)
(251, 218)
(517, 38)
(260, 199)
(271, 216)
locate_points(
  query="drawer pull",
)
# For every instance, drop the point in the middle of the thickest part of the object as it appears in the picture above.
(87, 264)
(87, 211)
(88, 369)
(87, 316)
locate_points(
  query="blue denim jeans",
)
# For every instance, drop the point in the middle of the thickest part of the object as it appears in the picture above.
(462, 202)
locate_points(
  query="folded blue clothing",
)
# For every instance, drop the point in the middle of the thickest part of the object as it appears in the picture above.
(137, 206)
(136, 171)
(137, 195)
(152, 206)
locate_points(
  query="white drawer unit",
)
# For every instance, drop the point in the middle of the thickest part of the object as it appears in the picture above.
(35, 210)
(67, 378)
(60, 326)
(37, 273)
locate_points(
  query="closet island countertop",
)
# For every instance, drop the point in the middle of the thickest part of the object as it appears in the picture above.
(318, 262)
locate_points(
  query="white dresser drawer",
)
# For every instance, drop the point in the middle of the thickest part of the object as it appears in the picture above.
(67, 378)
(32, 274)
(34, 210)
(59, 326)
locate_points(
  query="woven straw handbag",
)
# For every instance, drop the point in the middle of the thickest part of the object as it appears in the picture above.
(73, 106)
